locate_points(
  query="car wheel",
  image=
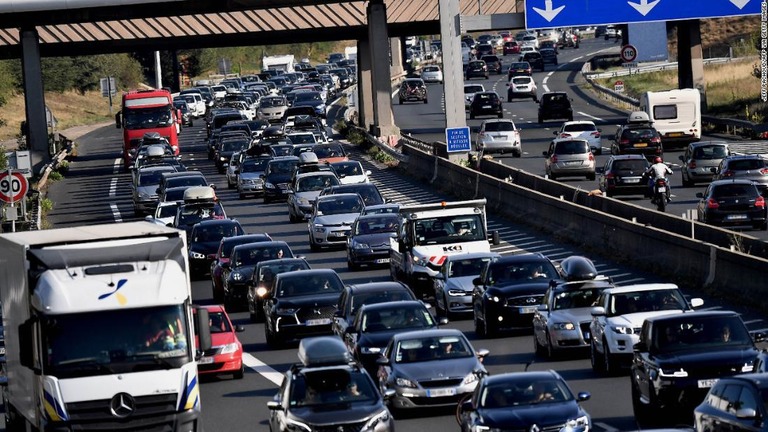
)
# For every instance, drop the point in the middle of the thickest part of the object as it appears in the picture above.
(538, 350)
(242, 196)
(609, 364)
(640, 409)
(570, 117)
(230, 185)
(312, 245)
(401, 101)
(509, 100)
(240, 373)
(291, 217)
(252, 314)
(267, 200)
(471, 115)
(517, 154)
(608, 193)
(270, 338)
(479, 329)
(551, 353)
(425, 100)
(352, 266)
(687, 182)
(595, 359)
(489, 329)
(541, 120)
(501, 115)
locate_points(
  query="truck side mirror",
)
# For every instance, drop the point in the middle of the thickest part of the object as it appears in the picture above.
(27, 345)
(203, 330)
(118, 123)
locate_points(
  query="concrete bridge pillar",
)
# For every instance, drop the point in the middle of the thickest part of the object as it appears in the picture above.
(453, 71)
(396, 56)
(690, 69)
(364, 85)
(34, 98)
(383, 119)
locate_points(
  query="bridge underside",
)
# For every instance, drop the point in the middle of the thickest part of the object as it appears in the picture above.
(293, 24)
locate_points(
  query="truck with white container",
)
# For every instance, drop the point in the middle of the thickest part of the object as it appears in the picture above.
(676, 114)
(99, 330)
(428, 233)
(283, 63)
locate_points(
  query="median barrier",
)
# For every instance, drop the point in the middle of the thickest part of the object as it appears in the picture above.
(572, 215)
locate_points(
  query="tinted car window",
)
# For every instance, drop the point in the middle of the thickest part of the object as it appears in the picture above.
(639, 133)
(499, 126)
(521, 80)
(734, 190)
(746, 164)
(629, 165)
(572, 147)
(710, 152)
(579, 127)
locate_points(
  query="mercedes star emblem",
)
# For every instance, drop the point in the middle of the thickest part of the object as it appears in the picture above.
(122, 405)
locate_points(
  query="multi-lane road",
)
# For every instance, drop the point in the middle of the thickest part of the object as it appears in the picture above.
(95, 191)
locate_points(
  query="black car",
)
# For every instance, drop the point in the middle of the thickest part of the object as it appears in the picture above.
(262, 278)
(368, 243)
(328, 391)
(535, 59)
(357, 295)
(278, 176)
(226, 149)
(732, 203)
(375, 324)
(486, 103)
(412, 89)
(493, 63)
(476, 69)
(222, 256)
(204, 242)
(741, 402)
(524, 401)
(637, 138)
(484, 49)
(548, 56)
(554, 106)
(519, 68)
(301, 303)
(239, 270)
(509, 291)
(367, 191)
(623, 175)
(680, 356)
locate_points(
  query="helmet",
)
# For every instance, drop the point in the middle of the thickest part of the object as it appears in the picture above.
(657, 159)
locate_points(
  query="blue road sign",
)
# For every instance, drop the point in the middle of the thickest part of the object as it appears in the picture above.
(576, 13)
(457, 139)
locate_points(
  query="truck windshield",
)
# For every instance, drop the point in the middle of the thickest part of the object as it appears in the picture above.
(145, 118)
(115, 341)
(449, 229)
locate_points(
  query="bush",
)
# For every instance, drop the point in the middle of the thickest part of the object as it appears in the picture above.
(54, 176)
(355, 136)
(341, 126)
(46, 205)
(62, 167)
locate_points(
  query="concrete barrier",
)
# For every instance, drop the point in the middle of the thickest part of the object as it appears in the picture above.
(572, 215)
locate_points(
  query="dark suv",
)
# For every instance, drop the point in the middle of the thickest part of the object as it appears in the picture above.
(486, 103)
(637, 138)
(493, 63)
(477, 69)
(732, 202)
(534, 59)
(752, 167)
(680, 356)
(412, 89)
(555, 105)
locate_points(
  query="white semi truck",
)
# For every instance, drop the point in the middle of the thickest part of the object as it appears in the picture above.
(430, 232)
(99, 329)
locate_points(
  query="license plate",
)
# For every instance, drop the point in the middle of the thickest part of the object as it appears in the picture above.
(205, 360)
(632, 180)
(707, 383)
(736, 217)
(527, 309)
(675, 134)
(640, 145)
(573, 162)
(441, 392)
(382, 261)
(338, 234)
(486, 107)
(520, 88)
(319, 321)
(662, 189)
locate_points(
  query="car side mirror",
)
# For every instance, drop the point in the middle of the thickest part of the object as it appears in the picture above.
(274, 406)
(443, 321)
(555, 132)
(545, 153)
(681, 158)
(542, 308)
(477, 281)
(597, 311)
(482, 353)
(389, 393)
(226, 265)
(758, 337)
(699, 195)
(467, 406)
(582, 396)
(237, 171)
(697, 302)
(382, 361)
(239, 329)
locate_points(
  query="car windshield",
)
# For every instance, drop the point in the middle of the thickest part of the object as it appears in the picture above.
(638, 134)
(473, 89)
(267, 272)
(328, 151)
(150, 178)
(692, 332)
(282, 149)
(467, 267)
(377, 225)
(339, 206)
(571, 147)
(427, 349)
(521, 272)
(254, 165)
(192, 214)
(413, 84)
(521, 80)
(307, 138)
(710, 152)
(348, 168)
(250, 256)
(167, 211)
(316, 183)
(746, 164)
(520, 66)
(309, 285)
(524, 392)
(431, 69)
(499, 126)
(213, 233)
(272, 102)
(646, 301)
(579, 127)
(369, 298)
(572, 299)
(308, 96)
(485, 97)
(282, 167)
(449, 229)
(234, 145)
(331, 388)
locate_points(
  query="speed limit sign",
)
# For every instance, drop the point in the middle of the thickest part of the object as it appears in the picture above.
(13, 186)
(628, 53)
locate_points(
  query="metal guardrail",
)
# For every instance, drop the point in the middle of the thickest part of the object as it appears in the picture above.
(651, 68)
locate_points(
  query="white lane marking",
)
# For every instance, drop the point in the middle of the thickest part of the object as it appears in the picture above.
(116, 165)
(577, 58)
(544, 82)
(113, 188)
(262, 369)
(590, 116)
(116, 213)
(607, 427)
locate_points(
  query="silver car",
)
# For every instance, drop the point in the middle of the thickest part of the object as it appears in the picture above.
(700, 158)
(469, 93)
(430, 368)
(332, 219)
(147, 181)
(569, 157)
(306, 187)
(250, 176)
(453, 285)
(499, 136)
(272, 108)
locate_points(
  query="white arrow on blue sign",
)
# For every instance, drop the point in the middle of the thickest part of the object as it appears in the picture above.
(457, 139)
(577, 13)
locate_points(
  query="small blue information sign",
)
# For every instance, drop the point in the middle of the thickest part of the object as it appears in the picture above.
(457, 139)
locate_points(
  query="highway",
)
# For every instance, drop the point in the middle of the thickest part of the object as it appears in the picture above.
(95, 191)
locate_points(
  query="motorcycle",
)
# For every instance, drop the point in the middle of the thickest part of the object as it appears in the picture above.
(660, 194)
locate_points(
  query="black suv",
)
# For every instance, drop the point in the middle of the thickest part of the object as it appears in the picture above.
(637, 138)
(732, 202)
(412, 89)
(680, 356)
(534, 59)
(486, 103)
(555, 105)
(493, 63)
(328, 391)
(477, 69)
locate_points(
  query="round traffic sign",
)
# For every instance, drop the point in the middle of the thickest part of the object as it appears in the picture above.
(13, 186)
(628, 53)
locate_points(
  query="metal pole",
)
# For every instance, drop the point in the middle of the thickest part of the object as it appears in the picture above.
(158, 73)
(13, 208)
(109, 91)
(479, 7)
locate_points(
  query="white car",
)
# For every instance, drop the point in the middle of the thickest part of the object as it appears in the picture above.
(164, 213)
(582, 129)
(351, 171)
(618, 318)
(522, 86)
(469, 93)
(531, 40)
(466, 53)
(432, 74)
(526, 49)
(232, 169)
(195, 102)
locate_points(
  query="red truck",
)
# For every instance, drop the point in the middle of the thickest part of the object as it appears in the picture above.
(147, 111)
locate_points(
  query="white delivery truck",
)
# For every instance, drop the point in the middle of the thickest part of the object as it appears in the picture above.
(284, 63)
(99, 330)
(430, 232)
(676, 114)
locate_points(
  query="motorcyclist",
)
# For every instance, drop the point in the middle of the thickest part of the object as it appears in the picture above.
(659, 170)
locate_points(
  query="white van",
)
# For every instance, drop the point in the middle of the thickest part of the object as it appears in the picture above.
(676, 114)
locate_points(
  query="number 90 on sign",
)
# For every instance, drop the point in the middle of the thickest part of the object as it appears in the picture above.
(13, 186)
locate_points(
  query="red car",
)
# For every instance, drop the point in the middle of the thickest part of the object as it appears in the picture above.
(226, 353)
(511, 47)
(221, 258)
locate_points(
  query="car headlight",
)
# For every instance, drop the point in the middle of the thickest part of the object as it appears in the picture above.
(473, 376)
(237, 276)
(383, 416)
(223, 159)
(456, 293)
(748, 367)
(294, 425)
(418, 261)
(196, 255)
(481, 428)
(261, 291)
(229, 348)
(493, 298)
(318, 229)
(404, 382)
(622, 329)
(671, 373)
(269, 185)
(563, 326)
(579, 422)
(303, 202)
(286, 311)
(361, 246)
(370, 350)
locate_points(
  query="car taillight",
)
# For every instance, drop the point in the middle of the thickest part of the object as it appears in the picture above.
(610, 176)
(591, 156)
(481, 135)
(624, 142)
(565, 135)
(595, 134)
(760, 201)
(655, 140)
(727, 173)
(712, 203)
(553, 158)
(764, 171)
(692, 165)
